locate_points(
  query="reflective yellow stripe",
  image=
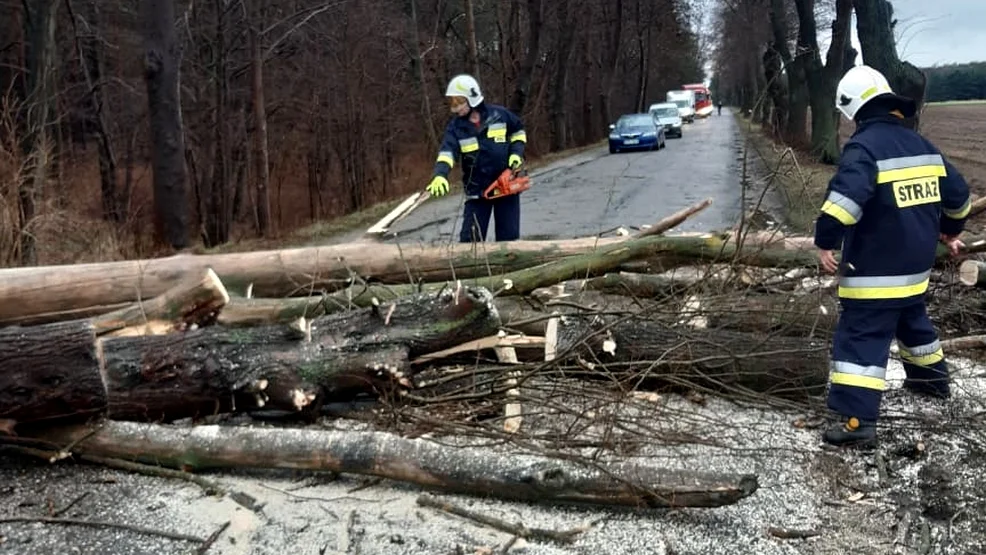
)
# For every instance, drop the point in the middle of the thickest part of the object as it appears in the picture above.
(838, 212)
(868, 93)
(913, 172)
(447, 159)
(520, 136)
(469, 145)
(960, 213)
(923, 360)
(470, 148)
(853, 380)
(893, 292)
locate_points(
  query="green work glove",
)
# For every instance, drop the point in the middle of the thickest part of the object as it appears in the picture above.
(514, 161)
(438, 186)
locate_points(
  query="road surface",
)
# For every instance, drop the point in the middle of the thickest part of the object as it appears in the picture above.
(596, 192)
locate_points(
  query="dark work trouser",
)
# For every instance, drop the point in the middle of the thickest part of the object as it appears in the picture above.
(476, 219)
(861, 348)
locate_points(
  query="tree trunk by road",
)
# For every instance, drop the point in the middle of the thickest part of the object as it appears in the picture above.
(795, 129)
(419, 76)
(823, 79)
(875, 28)
(161, 73)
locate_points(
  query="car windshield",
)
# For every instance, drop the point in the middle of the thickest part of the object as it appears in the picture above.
(668, 112)
(639, 120)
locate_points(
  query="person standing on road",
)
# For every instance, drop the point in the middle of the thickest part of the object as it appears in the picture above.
(719, 106)
(893, 198)
(487, 139)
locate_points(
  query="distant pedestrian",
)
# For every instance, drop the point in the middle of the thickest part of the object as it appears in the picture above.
(719, 106)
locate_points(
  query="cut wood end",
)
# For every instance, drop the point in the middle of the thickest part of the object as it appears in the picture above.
(213, 282)
(249, 291)
(301, 399)
(969, 272)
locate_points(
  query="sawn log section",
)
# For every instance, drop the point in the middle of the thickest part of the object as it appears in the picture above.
(64, 372)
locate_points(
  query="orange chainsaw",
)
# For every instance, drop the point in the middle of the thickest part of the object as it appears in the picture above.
(510, 182)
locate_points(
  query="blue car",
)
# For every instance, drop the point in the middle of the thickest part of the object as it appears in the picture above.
(636, 132)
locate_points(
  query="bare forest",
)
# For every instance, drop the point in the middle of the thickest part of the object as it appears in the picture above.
(771, 63)
(137, 129)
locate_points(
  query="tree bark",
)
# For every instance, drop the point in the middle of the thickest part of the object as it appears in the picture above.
(795, 129)
(261, 152)
(40, 22)
(50, 374)
(46, 372)
(874, 26)
(522, 89)
(559, 88)
(614, 51)
(161, 73)
(720, 360)
(91, 61)
(419, 74)
(823, 79)
(469, 470)
(467, 5)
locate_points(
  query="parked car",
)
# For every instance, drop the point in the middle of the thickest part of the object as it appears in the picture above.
(634, 132)
(666, 115)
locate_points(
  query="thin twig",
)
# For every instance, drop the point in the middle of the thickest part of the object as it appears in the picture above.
(104, 524)
(210, 487)
(560, 536)
(212, 539)
(71, 504)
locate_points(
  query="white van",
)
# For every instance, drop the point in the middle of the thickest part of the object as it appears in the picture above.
(686, 103)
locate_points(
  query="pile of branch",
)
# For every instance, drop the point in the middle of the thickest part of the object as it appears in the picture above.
(111, 358)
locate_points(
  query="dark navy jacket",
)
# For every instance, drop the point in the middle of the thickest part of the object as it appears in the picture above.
(483, 151)
(894, 192)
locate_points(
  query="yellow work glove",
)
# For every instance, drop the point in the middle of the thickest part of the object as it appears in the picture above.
(514, 161)
(438, 186)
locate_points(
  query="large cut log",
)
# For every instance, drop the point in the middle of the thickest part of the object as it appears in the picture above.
(722, 360)
(193, 301)
(470, 470)
(217, 369)
(50, 373)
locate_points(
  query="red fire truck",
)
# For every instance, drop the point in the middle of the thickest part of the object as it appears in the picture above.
(703, 99)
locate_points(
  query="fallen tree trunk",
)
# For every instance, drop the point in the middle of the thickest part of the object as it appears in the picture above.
(51, 293)
(216, 369)
(467, 470)
(720, 360)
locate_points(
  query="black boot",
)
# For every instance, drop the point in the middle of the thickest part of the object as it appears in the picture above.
(851, 432)
(937, 389)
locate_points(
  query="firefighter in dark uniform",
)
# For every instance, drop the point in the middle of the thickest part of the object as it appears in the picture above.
(892, 200)
(487, 139)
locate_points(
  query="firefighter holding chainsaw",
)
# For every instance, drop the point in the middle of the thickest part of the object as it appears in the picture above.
(488, 141)
(892, 200)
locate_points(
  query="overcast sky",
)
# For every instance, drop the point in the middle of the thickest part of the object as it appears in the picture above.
(936, 32)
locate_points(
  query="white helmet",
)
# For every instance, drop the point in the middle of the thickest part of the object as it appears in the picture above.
(860, 85)
(467, 86)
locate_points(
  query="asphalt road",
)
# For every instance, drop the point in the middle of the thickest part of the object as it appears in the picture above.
(596, 192)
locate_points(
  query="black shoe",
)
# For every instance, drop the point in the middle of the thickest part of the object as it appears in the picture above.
(938, 389)
(851, 432)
